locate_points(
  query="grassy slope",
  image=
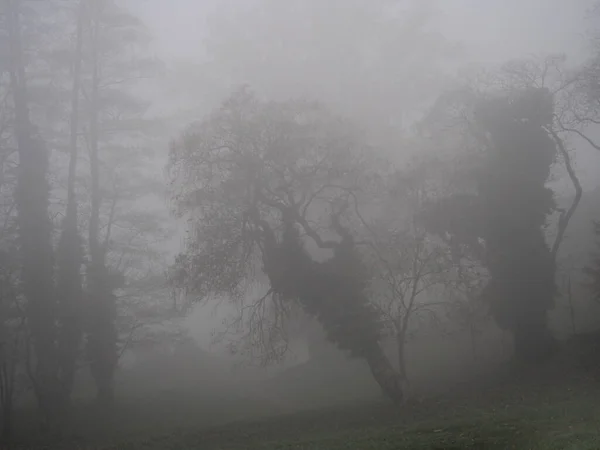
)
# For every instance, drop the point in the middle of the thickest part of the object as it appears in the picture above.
(526, 417)
(537, 411)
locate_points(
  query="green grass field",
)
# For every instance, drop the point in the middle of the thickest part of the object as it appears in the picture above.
(523, 417)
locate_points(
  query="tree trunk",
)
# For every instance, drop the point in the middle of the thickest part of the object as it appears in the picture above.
(401, 343)
(473, 338)
(7, 425)
(385, 375)
(106, 390)
(6, 399)
(102, 339)
(70, 290)
(103, 344)
(35, 228)
(533, 341)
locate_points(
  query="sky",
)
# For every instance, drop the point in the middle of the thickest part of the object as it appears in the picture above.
(508, 28)
(491, 30)
(494, 28)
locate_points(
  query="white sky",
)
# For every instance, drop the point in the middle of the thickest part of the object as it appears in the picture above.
(496, 28)
(492, 30)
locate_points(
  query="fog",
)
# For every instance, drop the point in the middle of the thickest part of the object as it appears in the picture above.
(490, 32)
(485, 32)
(495, 30)
(356, 214)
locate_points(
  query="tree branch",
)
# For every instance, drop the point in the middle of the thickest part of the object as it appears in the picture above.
(563, 221)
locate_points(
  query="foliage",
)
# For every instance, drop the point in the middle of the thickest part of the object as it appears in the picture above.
(45, 114)
(257, 179)
(499, 211)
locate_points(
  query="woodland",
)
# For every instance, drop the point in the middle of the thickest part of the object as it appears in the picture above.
(372, 225)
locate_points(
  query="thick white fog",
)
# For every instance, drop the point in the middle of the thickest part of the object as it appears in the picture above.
(492, 29)
(279, 55)
(486, 31)
(213, 211)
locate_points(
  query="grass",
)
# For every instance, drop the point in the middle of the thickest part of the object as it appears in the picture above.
(528, 417)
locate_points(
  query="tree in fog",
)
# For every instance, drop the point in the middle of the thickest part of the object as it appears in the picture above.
(515, 125)
(35, 227)
(507, 208)
(70, 245)
(463, 289)
(78, 92)
(266, 185)
(585, 115)
(12, 316)
(593, 269)
(117, 137)
(515, 204)
(13, 335)
(407, 262)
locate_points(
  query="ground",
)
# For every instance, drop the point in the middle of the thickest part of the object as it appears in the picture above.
(530, 415)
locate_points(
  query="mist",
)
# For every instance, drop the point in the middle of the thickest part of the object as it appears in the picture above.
(299, 224)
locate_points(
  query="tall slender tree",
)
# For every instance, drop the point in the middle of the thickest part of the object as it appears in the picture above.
(70, 256)
(102, 345)
(35, 227)
(119, 133)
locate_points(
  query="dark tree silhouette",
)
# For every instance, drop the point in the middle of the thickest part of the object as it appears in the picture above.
(507, 211)
(70, 251)
(261, 182)
(515, 205)
(35, 228)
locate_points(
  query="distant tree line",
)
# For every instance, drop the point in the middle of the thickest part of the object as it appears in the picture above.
(75, 146)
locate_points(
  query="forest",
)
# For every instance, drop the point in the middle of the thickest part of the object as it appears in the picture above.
(339, 228)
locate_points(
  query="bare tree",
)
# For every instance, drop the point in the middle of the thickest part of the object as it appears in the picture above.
(270, 184)
(407, 261)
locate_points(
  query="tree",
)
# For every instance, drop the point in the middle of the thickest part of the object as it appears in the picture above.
(70, 251)
(102, 337)
(407, 261)
(12, 316)
(268, 185)
(464, 290)
(544, 95)
(507, 209)
(13, 339)
(522, 285)
(585, 109)
(118, 130)
(56, 96)
(32, 198)
(593, 269)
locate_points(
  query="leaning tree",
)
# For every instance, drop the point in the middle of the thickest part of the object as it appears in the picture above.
(271, 190)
